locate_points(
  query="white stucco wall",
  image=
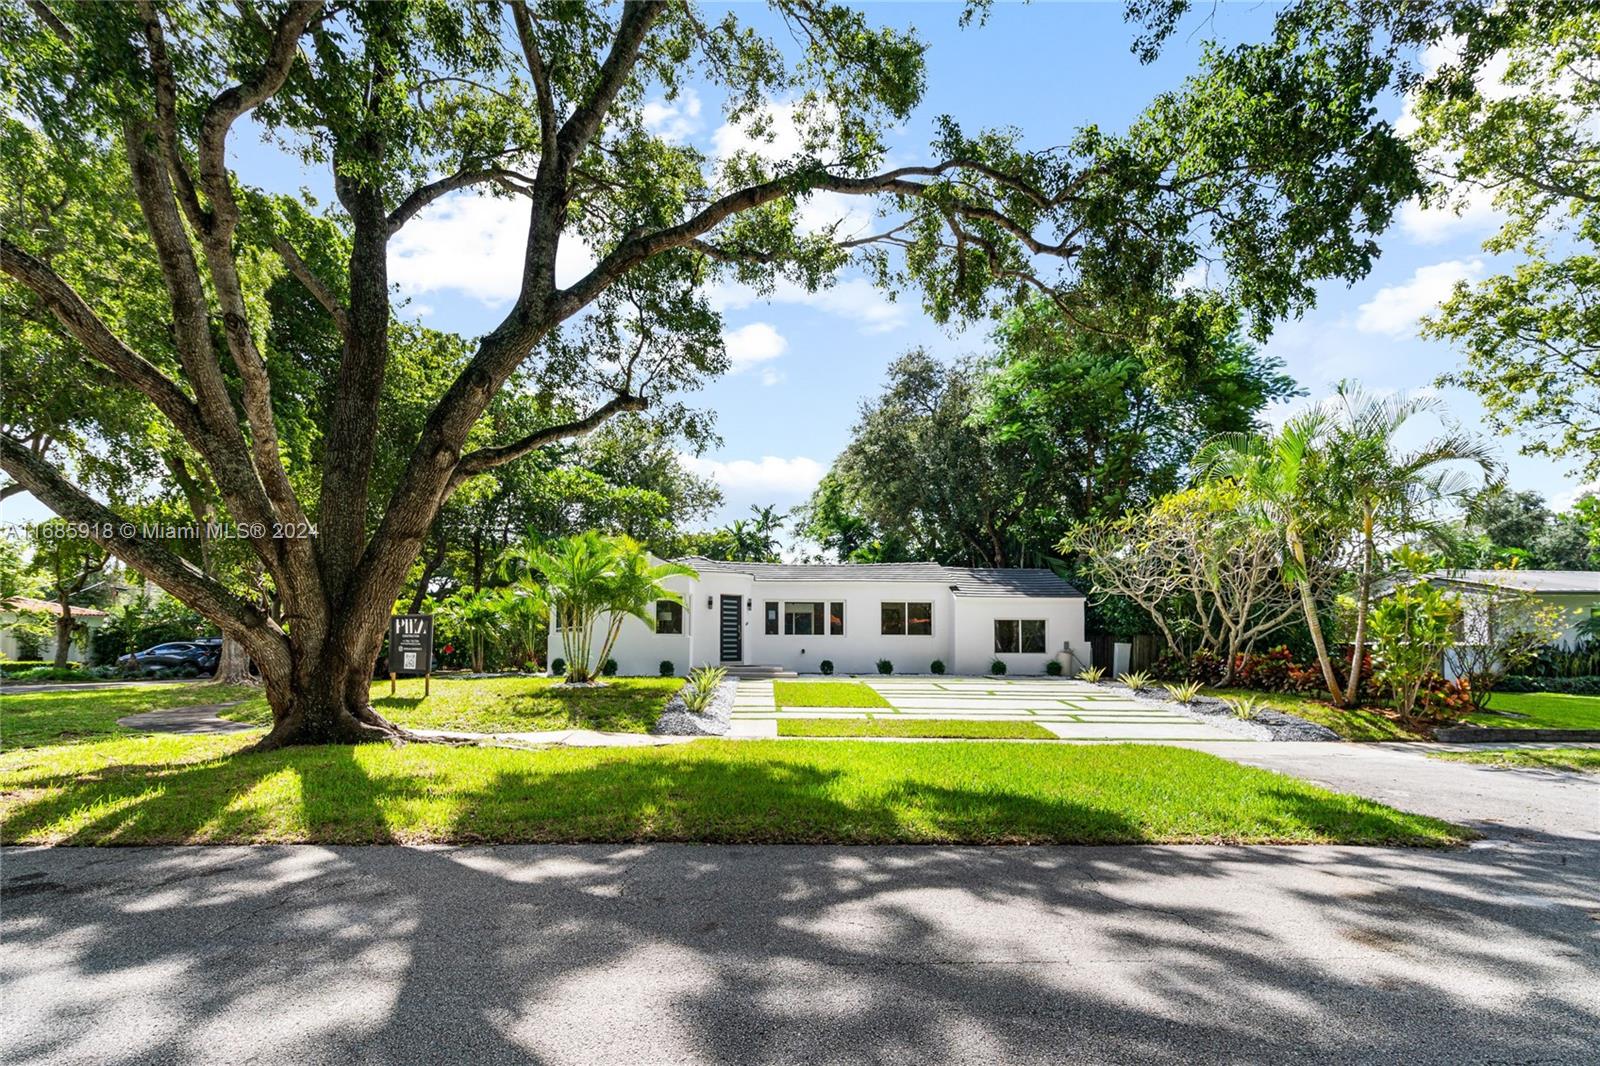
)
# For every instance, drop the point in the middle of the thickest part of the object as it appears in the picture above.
(963, 628)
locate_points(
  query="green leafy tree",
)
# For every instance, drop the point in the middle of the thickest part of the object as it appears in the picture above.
(1412, 629)
(1529, 139)
(66, 563)
(1389, 494)
(1502, 631)
(129, 111)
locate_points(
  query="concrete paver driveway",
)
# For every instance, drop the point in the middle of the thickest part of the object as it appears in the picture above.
(1072, 710)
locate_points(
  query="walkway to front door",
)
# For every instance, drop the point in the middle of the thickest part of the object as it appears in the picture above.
(1072, 710)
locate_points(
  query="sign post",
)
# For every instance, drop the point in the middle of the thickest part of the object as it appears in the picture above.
(411, 648)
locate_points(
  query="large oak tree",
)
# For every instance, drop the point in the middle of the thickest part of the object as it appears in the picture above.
(1272, 160)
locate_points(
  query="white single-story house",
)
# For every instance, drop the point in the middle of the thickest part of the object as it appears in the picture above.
(794, 616)
(13, 610)
(1576, 592)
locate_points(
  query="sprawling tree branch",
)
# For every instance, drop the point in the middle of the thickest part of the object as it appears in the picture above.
(488, 458)
(175, 574)
(319, 290)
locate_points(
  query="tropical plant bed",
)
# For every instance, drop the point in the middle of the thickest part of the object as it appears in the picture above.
(176, 790)
(1351, 723)
(1575, 760)
(826, 694)
(912, 727)
(514, 704)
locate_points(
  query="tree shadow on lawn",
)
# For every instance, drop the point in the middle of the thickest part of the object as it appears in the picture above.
(786, 954)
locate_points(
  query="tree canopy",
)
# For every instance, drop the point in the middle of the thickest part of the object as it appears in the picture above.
(142, 245)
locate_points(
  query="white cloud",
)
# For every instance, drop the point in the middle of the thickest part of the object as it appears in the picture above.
(474, 244)
(1396, 308)
(770, 474)
(752, 344)
(856, 299)
(674, 120)
(773, 133)
(1471, 210)
(771, 377)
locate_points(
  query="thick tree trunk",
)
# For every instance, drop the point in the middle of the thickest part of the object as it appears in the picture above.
(233, 664)
(327, 699)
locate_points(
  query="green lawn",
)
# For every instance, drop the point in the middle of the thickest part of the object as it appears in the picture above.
(1354, 723)
(513, 704)
(1578, 760)
(911, 727)
(31, 719)
(165, 789)
(1540, 710)
(826, 694)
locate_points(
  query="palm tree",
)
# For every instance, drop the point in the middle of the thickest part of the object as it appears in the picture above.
(591, 576)
(1390, 494)
(764, 530)
(635, 585)
(475, 616)
(525, 612)
(1281, 476)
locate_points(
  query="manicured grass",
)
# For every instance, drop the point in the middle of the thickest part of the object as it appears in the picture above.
(1540, 710)
(1578, 760)
(31, 719)
(1353, 723)
(826, 694)
(513, 704)
(911, 727)
(163, 789)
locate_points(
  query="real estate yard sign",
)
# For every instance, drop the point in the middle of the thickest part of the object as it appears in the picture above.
(410, 645)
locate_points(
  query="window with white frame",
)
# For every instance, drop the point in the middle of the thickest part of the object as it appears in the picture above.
(802, 619)
(1024, 635)
(909, 619)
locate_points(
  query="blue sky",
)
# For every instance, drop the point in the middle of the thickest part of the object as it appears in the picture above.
(805, 361)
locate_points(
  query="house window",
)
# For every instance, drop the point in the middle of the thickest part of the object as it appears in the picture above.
(669, 616)
(802, 619)
(1013, 635)
(772, 617)
(835, 619)
(907, 619)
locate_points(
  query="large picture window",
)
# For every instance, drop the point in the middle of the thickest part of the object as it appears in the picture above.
(669, 616)
(913, 619)
(802, 619)
(1024, 635)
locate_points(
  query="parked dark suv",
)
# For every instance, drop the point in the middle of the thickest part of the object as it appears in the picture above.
(187, 658)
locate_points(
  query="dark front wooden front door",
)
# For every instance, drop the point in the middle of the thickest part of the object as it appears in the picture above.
(732, 631)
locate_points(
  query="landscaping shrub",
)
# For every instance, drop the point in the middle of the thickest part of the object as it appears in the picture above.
(997, 667)
(826, 666)
(703, 682)
(46, 673)
(558, 667)
(885, 666)
(610, 668)
(666, 668)
(13, 667)
(1053, 667)
(1584, 685)
(936, 667)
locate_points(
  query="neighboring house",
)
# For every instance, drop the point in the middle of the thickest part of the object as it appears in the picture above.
(1576, 592)
(794, 616)
(12, 610)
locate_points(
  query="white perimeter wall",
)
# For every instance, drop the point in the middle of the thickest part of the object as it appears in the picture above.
(963, 628)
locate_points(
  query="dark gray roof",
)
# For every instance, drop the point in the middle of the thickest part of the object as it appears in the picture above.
(962, 580)
(1525, 580)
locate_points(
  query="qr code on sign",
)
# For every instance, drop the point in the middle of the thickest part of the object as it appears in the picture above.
(410, 660)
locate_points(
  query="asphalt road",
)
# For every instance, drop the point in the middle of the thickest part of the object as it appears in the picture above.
(1486, 954)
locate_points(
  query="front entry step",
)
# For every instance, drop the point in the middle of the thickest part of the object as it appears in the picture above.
(757, 672)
